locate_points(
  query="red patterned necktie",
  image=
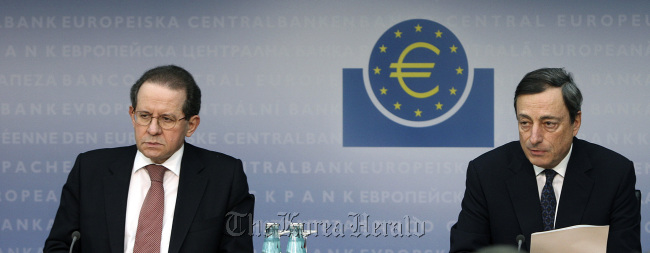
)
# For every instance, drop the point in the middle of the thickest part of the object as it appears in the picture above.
(147, 238)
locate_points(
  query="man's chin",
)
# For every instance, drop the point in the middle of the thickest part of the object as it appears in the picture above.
(539, 162)
(543, 165)
(151, 154)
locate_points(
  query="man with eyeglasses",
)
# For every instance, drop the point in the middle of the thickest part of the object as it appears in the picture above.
(162, 194)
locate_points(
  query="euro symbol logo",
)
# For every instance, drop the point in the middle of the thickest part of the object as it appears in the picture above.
(399, 65)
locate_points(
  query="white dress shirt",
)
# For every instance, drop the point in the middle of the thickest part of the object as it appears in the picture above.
(558, 181)
(138, 189)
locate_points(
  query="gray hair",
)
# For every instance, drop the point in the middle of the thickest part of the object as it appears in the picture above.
(539, 80)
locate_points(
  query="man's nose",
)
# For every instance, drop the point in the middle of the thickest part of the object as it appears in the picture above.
(537, 134)
(154, 128)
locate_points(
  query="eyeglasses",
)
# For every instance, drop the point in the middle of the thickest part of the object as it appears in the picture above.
(164, 121)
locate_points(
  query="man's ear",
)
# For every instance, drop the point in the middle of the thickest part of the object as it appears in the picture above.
(576, 123)
(193, 123)
(131, 113)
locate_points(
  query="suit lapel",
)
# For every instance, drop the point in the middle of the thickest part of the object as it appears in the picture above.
(522, 188)
(575, 190)
(116, 191)
(191, 186)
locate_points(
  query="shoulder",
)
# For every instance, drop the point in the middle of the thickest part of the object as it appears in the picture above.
(212, 164)
(207, 153)
(109, 153)
(504, 154)
(498, 162)
(98, 162)
(598, 155)
(209, 156)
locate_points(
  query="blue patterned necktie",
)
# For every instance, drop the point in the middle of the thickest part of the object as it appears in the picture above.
(548, 201)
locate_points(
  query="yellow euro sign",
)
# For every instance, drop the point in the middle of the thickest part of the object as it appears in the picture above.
(400, 65)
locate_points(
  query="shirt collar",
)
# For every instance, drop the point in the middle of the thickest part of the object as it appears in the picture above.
(173, 163)
(560, 168)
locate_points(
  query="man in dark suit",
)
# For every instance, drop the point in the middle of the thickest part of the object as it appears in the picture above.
(162, 194)
(548, 180)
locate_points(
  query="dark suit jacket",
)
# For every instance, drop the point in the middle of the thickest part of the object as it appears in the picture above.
(502, 201)
(211, 185)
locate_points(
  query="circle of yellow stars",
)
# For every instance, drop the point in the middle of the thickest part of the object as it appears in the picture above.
(384, 91)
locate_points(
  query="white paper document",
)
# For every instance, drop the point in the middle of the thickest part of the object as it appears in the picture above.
(574, 239)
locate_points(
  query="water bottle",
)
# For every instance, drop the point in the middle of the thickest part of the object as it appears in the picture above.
(296, 243)
(272, 239)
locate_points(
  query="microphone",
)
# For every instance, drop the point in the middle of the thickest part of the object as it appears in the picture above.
(75, 236)
(520, 240)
